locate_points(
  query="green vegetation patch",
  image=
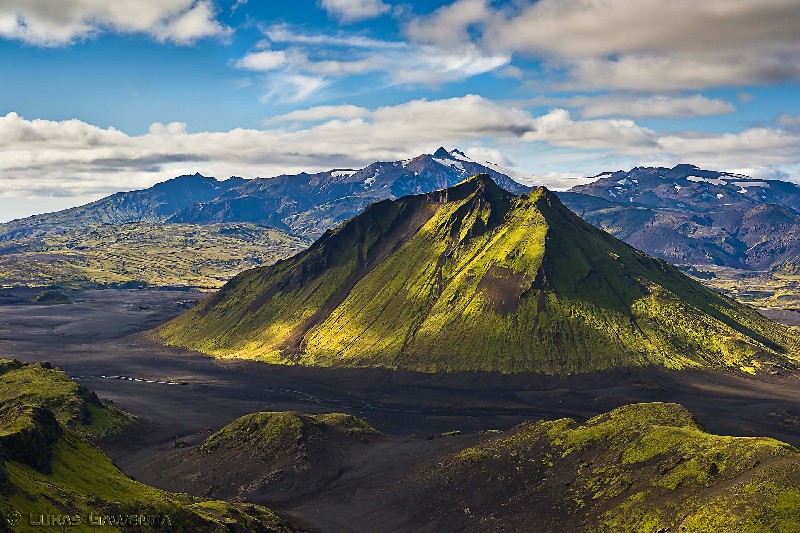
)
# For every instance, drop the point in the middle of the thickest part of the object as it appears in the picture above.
(73, 405)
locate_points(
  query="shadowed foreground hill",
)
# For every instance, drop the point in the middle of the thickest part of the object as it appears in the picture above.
(639, 468)
(473, 278)
(273, 457)
(52, 476)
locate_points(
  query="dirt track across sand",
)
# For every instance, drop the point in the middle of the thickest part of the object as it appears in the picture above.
(96, 340)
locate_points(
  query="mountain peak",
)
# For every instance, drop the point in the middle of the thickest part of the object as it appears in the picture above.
(544, 199)
(482, 186)
(187, 178)
(441, 152)
(481, 178)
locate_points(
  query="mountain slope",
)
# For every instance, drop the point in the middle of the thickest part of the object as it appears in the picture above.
(643, 467)
(305, 204)
(475, 278)
(122, 238)
(155, 204)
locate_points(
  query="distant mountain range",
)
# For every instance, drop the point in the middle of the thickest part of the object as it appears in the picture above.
(690, 216)
(155, 204)
(690, 188)
(308, 204)
(303, 204)
(685, 215)
(474, 278)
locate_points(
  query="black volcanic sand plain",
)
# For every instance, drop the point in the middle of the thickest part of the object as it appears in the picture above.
(181, 398)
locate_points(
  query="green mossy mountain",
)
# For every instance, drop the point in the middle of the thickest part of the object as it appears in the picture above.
(52, 476)
(473, 278)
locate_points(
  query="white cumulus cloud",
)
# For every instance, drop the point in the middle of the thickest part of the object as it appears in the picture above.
(263, 61)
(325, 112)
(321, 60)
(558, 128)
(71, 157)
(62, 22)
(354, 10)
(660, 106)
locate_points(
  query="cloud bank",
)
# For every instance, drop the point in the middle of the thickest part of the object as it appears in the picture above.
(75, 158)
(648, 45)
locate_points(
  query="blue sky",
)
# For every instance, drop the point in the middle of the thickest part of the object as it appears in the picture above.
(97, 97)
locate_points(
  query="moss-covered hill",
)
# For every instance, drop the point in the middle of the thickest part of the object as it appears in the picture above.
(52, 297)
(273, 456)
(51, 473)
(472, 278)
(639, 468)
(273, 434)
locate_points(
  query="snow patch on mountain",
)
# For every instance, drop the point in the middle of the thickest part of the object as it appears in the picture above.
(458, 165)
(460, 156)
(700, 179)
(519, 177)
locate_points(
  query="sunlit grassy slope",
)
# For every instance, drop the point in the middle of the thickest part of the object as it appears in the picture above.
(48, 466)
(474, 278)
(640, 468)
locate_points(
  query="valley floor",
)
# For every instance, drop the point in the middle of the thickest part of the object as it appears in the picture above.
(182, 396)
